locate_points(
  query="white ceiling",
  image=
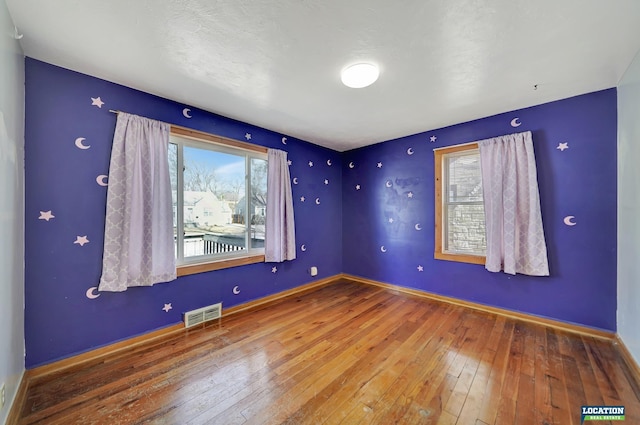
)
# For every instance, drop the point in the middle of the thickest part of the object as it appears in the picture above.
(277, 63)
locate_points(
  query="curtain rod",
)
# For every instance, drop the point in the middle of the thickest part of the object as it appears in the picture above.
(208, 137)
(461, 144)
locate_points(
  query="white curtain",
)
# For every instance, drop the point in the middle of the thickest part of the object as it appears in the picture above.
(280, 237)
(138, 235)
(515, 238)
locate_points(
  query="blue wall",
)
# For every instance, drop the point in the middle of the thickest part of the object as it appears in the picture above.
(579, 181)
(60, 320)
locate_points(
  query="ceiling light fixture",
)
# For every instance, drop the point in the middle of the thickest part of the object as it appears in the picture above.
(360, 75)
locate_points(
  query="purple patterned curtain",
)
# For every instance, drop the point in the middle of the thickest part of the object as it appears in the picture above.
(138, 234)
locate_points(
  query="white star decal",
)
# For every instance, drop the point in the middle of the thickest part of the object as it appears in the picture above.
(247, 136)
(379, 165)
(390, 219)
(357, 187)
(302, 198)
(81, 240)
(274, 269)
(326, 181)
(310, 163)
(420, 268)
(410, 194)
(433, 138)
(96, 101)
(167, 307)
(46, 215)
(563, 146)
(289, 162)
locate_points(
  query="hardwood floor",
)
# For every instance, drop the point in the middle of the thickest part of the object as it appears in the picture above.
(345, 353)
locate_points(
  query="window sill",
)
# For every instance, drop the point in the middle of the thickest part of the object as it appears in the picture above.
(187, 269)
(461, 258)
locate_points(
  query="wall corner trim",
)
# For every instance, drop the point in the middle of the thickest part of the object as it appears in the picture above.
(631, 363)
(556, 324)
(18, 401)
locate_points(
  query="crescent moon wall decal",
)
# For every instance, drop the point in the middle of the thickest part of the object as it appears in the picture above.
(101, 180)
(80, 145)
(317, 201)
(284, 140)
(92, 295)
(383, 249)
(351, 165)
(568, 220)
(418, 227)
(388, 183)
(410, 151)
(236, 290)
(295, 180)
(328, 162)
(303, 247)
(185, 112)
(515, 122)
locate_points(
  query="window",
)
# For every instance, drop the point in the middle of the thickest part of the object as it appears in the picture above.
(460, 224)
(219, 195)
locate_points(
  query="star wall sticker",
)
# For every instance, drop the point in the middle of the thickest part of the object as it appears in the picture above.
(247, 136)
(410, 194)
(379, 165)
(390, 219)
(326, 181)
(81, 240)
(274, 269)
(96, 101)
(310, 163)
(289, 162)
(563, 146)
(46, 215)
(433, 139)
(357, 187)
(167, 307)
(302, 199)
(420, 268)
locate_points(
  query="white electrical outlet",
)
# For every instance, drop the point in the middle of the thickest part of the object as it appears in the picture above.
(2, 396)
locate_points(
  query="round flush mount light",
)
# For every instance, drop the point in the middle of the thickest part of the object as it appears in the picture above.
(360, 75)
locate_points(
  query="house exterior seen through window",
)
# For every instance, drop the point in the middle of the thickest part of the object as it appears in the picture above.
(219, 196)
(460, 220)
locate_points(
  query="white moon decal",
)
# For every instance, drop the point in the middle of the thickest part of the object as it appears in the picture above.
(80, 145)
(388, 183)
(418, 227)
(568, 222)
(186, 112)
(351, 165)
(515, 122)
(101, 179)
(383, 249)
(410, 151)
(303, 247)
(328, 162)
(295, 180)
(91, 294)
(236, 290)
(284, 140)
(317, 201)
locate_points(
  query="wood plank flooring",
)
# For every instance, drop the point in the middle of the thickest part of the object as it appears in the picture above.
(345, 353)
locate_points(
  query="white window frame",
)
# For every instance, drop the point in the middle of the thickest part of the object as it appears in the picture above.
(182, 137)
(441, 251)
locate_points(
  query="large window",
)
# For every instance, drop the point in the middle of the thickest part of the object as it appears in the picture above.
(460, 222)
(219, 194)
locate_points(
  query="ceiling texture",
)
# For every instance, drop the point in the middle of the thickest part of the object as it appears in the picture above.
(276, 64)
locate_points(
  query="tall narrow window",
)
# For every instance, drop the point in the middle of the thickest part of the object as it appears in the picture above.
(460, 220)
(219, 202)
